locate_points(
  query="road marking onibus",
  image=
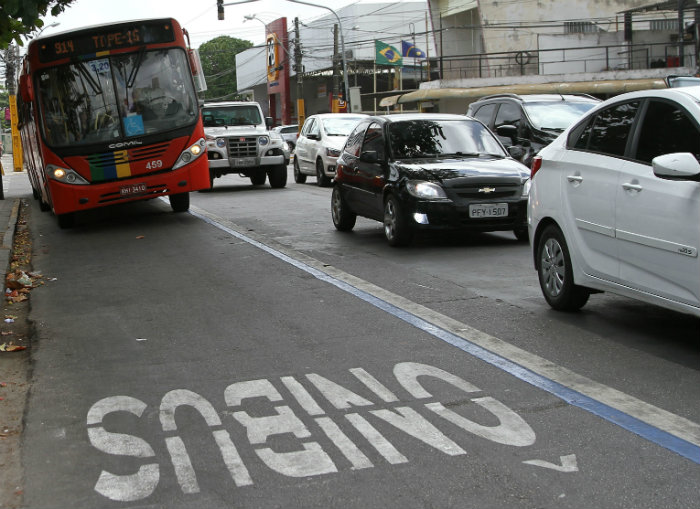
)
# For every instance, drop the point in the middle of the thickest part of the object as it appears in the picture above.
(655, 424)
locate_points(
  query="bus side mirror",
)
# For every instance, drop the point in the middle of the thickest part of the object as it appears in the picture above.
(26, 89)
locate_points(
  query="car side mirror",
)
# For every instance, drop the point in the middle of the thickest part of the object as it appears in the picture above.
(516, 152)
(507, 131)
(268, 122)
(313, 136)
(369, 156)
(676, 166)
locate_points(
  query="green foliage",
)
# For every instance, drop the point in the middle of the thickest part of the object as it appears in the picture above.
(4, 103)
(219, 63)
(21, 17)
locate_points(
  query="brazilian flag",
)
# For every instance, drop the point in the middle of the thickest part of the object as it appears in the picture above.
(386, 54)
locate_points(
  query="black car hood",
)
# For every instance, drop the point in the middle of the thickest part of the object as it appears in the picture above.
(453, 172)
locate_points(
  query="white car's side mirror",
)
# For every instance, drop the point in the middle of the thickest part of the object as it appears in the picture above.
(676, 166)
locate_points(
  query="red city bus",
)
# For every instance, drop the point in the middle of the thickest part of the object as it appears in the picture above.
(109, 114)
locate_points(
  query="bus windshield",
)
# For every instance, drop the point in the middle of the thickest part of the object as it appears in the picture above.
(116, 97)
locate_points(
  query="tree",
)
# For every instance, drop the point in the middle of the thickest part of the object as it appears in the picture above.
(21, 17)
(218, 58)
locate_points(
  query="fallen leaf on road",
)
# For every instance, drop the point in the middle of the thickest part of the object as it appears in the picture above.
(11, 348)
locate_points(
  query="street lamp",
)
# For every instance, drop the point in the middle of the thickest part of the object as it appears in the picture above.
(47, 26)
(221, 5)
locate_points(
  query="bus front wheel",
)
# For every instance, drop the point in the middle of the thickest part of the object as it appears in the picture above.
(180, 202)
(66, 221)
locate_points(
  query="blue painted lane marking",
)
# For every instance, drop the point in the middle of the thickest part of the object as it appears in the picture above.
(660, 437)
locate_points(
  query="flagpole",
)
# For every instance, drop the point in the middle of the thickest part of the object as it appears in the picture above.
(375, 85)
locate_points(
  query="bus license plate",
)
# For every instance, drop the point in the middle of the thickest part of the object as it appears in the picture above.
(132, 189)
(486, 210)
(243, 162)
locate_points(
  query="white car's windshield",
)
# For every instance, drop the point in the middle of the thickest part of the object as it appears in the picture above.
(340, 126)
(239, 114)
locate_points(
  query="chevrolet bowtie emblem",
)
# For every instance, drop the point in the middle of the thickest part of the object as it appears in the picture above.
(487, 190)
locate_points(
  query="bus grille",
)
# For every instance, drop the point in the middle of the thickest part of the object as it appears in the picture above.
(150, 152)
(240, 146)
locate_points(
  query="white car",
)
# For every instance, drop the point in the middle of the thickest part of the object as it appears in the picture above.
(615, 201)
(319, 144)
(289, 133)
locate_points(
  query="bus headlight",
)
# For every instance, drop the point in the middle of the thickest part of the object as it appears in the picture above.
(190, 154)
(65, 175)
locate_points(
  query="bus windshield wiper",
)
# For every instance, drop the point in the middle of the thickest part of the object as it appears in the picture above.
(94, 84)
(135, 69)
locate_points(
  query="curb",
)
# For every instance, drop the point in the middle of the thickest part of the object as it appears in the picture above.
(8, 238)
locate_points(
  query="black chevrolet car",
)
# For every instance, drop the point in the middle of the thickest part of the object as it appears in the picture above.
(429, 171)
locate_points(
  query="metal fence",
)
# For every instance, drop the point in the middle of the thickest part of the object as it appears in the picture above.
(582, 59)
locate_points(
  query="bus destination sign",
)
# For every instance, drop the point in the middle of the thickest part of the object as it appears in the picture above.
(89, 43)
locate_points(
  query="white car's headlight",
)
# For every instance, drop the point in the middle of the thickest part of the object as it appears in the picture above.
(526, 188)
(220, 142)
(332, 152)
(426, 190)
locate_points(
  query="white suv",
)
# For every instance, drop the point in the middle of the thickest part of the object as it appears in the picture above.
(615, 203)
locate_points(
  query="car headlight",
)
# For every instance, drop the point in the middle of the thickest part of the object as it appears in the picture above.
(263, 140)
(332, 152)
(220, 142)
(526, 188)
(426, 190)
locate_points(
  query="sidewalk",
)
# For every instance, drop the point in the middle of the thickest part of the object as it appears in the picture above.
(15, 187)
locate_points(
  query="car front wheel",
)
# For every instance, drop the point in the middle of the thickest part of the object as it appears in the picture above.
(299, 177)
(556, 273)
(397, 230)
(277, 176)
(321, 178)
(343, 218)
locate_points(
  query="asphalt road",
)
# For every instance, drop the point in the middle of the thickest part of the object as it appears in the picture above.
(247, 355)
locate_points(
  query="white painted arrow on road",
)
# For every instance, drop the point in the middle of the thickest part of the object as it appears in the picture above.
(568, 464)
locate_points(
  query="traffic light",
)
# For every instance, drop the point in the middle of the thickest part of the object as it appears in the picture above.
(220, 8)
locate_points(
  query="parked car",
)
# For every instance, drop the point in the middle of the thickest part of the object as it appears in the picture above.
(318, 146)
(529, 122)
(289, 133)
(419, 171)
(615, 202)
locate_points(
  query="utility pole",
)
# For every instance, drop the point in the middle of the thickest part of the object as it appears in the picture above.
(299, 69)
(12, 63)
(335, 108)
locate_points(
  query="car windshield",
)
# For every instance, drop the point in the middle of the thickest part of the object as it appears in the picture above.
(556, 115)
(340, 126)
(115, 97)
(412, 139)
(240, 114)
